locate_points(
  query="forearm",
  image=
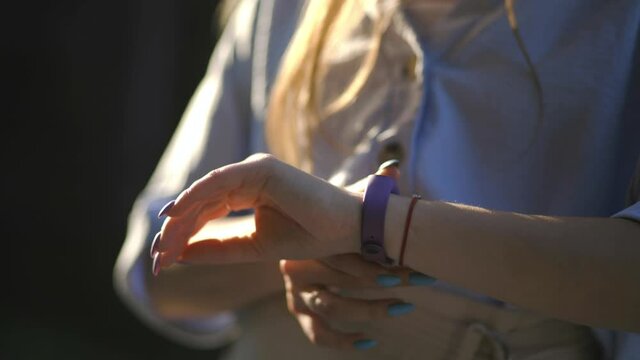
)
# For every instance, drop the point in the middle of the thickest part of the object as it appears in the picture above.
(585, 270)
(205, 290)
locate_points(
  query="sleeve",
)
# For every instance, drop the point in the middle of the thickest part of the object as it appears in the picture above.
(618, 345)
(632, 212)
(214, 131)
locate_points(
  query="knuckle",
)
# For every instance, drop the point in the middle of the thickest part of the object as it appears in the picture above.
(213, 174)
(185, 194)
(263, 158)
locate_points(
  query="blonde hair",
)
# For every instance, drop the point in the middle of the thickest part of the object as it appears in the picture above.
(294, 113)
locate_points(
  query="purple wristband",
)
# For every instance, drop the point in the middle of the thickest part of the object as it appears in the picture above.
(374, 208)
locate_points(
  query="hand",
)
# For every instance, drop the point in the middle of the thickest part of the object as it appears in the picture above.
(313, 297)
(297, 216)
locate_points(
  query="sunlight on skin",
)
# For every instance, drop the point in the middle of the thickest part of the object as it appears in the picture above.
(225, 228)
(231, 227)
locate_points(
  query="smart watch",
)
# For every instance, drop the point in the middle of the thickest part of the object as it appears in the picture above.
(374, 207)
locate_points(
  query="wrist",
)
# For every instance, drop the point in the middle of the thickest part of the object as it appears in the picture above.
(380, 186)
(353, 242)
(394, 224)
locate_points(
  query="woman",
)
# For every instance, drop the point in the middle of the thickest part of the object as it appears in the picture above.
(508, 110)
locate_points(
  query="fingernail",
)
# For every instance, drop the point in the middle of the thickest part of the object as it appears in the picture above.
(364, 344)
(155, 267)
(388, 280)
(165, 209)
(416, 278)
(400, 308)
(154, 245)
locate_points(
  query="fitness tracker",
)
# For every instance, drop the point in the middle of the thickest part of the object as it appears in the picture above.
(374, 207)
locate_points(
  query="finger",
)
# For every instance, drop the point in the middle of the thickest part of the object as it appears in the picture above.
(311, 272)
(222, 185)
(176, 232)
(390, 168)
(316, 329)
(262, 180)
(274, 236)
(369, 273)
(320, 333)
(334, 308)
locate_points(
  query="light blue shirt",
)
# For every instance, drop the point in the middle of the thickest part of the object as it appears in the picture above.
(476, 136)
(478, 140)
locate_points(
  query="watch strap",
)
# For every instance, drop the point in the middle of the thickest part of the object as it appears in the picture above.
(374, 208)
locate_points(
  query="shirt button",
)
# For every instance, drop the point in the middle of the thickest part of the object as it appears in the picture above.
(390, 151)
(409, 70)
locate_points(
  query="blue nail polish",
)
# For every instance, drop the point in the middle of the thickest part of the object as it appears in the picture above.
(165, 209)
(364, 344)
(401, 308)
(388, 280)
(416, 278)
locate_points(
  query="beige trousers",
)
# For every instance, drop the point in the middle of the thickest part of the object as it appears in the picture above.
(443, 327)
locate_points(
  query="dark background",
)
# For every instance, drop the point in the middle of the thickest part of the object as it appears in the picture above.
(92, 92)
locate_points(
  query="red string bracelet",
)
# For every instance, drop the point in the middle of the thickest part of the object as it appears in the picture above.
(407, 223)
